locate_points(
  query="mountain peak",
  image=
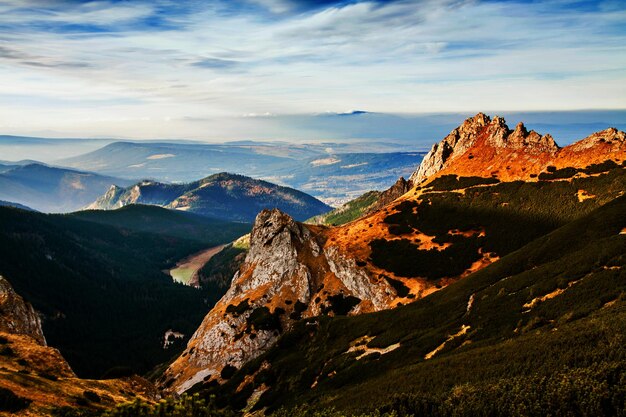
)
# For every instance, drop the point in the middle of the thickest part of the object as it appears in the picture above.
(482, 146)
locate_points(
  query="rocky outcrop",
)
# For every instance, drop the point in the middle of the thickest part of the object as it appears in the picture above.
(613, 139)
(291, 272)
(478, 132)
(17, 316)
(398, 189)
(109, 200)
(453, 145)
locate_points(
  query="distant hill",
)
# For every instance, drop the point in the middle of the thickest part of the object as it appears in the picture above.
(334, 173)
(51, 189)
(178, 162)
(222, 196)
(15, 205)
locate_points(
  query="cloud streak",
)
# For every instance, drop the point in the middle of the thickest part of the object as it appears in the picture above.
(161, 60)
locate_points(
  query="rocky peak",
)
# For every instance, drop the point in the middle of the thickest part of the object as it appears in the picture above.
(453, 145)
(17, 316)
(291, 272)
(398, 189)
(480, 130)
(611, 137)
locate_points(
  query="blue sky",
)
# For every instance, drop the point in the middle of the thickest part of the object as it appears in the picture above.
(225, 69)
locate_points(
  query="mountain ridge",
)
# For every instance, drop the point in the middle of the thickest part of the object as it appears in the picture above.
(498, 151)
(224, 196)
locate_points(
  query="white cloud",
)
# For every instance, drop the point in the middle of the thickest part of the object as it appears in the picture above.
(407, 56)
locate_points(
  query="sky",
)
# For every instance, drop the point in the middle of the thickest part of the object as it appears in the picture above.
(239, 69)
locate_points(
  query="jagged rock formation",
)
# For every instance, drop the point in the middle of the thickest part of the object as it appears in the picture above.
(488, 148)
(398, 189)
(17, 316)
(492, 133)
(292, 271)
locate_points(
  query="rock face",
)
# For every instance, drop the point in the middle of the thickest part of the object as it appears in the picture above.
(17, 316)
(291, 272)
(488, 148)
(494, 133)
(401, 187)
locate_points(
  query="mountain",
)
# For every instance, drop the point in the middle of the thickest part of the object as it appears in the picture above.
(540, 332)
(332, 172)
(51, 189)
(15, 205)
(362, 205)
(445, 228)
(179, 162)
(222, 196)
(100, 288)
(36, 380)
(506, 154)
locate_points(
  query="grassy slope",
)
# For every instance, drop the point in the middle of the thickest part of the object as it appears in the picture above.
(511, 214)
(101, 289)
(352, 210)
(506, 357)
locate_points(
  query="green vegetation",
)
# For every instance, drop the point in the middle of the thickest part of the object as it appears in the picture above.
(340, 304)
(105, 298)
(185, 406)
(262, 319)
(453, 182)
(217, 274)
(511, 215)
(392, 255)
(545, 330)
(173, 223)
(350, 211)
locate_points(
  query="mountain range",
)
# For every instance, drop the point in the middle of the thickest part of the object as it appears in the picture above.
(446, 228)
(332, 172)
(491, 282)
(222, 196)
(52, 189)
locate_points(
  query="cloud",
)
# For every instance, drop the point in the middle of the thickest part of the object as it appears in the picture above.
(210, 60)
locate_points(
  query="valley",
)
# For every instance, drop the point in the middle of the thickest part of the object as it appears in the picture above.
(186, 270)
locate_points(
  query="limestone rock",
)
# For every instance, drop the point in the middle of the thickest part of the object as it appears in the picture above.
(290, 273)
